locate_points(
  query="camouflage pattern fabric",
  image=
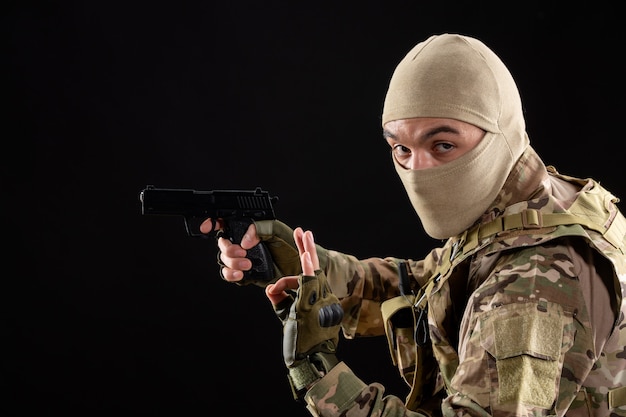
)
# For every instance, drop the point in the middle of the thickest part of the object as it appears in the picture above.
(524, 322)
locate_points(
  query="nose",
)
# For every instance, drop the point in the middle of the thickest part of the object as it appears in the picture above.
(420, 159)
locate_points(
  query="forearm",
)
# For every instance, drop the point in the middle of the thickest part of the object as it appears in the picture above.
(361, 285)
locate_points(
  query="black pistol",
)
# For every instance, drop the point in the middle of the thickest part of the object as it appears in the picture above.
(238, 209)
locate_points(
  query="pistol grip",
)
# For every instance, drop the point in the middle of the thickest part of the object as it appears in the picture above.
(262, 271)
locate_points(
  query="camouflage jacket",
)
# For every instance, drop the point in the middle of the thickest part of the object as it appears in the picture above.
(526, 311)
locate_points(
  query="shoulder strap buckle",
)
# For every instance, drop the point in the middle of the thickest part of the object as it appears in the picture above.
(531, 219)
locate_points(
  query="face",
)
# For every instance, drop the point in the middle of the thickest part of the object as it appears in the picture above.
(425, 142)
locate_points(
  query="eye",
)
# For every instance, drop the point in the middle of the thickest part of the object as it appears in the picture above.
(443, 147)
(401, 151)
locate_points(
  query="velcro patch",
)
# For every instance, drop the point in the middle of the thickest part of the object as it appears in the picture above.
(526, 340)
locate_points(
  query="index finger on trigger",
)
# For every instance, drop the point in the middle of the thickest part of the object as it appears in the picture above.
(210, 225)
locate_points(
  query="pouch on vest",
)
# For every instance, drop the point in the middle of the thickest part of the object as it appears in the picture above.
(406, 328)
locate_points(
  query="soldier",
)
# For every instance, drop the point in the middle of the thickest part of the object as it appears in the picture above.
(522, 312)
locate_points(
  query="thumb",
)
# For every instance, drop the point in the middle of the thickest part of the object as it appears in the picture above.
(277, 292)
(250, 238)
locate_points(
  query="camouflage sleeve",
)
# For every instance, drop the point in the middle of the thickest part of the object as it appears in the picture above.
(362, 285)
(341, 394)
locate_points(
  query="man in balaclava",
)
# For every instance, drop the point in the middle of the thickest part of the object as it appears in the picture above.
(458, 78)
(521, 312)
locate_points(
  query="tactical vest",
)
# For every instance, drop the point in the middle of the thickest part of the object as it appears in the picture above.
(593, 216)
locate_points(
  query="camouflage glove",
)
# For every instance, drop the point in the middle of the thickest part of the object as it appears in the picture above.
(277, 237)
(311, 323)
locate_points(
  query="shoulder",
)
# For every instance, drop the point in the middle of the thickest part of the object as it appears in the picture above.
(548, 271)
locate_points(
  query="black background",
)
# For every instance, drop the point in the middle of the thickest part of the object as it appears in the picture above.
(108, 312)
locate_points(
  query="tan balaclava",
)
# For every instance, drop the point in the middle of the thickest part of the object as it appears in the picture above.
(458, 77)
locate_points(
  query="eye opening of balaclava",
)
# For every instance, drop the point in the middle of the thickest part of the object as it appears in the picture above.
(458, 77)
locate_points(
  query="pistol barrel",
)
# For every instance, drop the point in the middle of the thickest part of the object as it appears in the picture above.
(256, 204)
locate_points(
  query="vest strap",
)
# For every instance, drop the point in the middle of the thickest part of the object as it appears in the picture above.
(534, 219)
(617, 397)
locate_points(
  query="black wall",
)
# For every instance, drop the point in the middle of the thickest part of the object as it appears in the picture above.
(108, 312)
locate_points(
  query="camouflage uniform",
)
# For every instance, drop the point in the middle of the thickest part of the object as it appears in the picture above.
(526, 311)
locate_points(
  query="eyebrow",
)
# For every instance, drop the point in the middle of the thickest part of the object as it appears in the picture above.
(443, 128)
(388, 134)
(438, 129)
